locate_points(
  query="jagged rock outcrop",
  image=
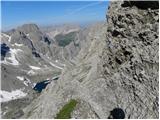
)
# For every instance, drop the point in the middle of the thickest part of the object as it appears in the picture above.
(130, 59)
(119, 69)
(28, 28)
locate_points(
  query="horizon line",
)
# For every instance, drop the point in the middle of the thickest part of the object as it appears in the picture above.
(50, 24)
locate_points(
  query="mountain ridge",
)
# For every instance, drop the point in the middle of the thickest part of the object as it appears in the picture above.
(112, 72)
(109, 69)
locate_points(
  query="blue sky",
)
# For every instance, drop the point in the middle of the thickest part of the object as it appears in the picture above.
(16, 13)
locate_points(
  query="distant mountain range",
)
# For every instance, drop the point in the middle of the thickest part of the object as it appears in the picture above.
(103, 70)
(30, 55)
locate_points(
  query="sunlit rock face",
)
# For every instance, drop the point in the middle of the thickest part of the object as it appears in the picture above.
(130, 58)
(115, 73)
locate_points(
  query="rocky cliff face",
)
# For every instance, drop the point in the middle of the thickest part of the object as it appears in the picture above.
(118, 68)
(130, 59)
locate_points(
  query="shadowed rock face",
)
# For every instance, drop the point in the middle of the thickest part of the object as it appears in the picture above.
(21, 38)
(4, 50)
(117, 113)
(142, 4)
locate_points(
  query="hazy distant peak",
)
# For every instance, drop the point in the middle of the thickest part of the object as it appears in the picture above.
(27, 28)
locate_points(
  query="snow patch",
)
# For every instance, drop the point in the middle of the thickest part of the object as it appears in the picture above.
(9, 37)
(12, 59)
(34, 67)
(7, 96)
(20, 78)
(47, 82)
(27, 82)
(34, 84)
(13, 56)
(31, 72)
(55, 65)
(16, 44)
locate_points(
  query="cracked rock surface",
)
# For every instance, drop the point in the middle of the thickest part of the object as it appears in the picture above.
(130, 59)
